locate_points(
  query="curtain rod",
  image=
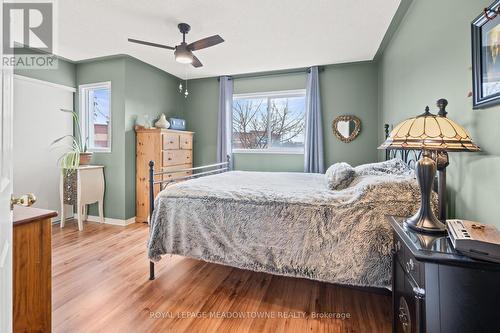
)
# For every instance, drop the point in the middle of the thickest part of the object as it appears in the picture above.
(276, 73)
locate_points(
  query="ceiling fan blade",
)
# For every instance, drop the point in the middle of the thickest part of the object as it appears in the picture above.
(150, 44)
(196, 62)
(205, 42)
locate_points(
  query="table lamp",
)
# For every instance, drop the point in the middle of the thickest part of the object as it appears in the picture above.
(431, 134)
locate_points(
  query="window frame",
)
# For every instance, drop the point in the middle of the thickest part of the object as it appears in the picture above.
(84, 114)
(268, 95)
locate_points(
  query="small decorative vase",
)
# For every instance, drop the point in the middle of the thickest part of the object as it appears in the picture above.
(162, 122)
(85, 158)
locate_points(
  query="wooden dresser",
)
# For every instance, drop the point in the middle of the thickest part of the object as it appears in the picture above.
(170, 150)
(32, 273)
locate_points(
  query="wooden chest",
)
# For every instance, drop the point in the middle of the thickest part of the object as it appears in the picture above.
(32, 272)
(170, 150)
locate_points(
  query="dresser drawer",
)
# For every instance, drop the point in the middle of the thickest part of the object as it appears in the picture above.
(177, 157)
(414, 268)
(406, 259)
(408, 308)
(186, 141)
(170, 141)
(177, 175)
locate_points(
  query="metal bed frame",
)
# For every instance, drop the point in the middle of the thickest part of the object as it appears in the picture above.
(197, 172)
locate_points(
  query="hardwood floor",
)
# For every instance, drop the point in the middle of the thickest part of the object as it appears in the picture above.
(100, 284)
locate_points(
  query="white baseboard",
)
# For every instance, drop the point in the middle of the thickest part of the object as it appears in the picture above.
(108, 220)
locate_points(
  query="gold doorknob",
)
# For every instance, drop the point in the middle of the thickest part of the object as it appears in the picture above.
(25, 200)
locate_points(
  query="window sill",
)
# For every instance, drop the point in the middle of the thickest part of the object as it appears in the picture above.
(99, 151)
(266, 151)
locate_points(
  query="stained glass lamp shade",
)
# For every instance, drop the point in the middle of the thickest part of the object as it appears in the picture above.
(431, 132)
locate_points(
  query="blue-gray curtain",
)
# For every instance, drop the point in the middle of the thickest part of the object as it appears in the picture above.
(313, 145)
(224, 118)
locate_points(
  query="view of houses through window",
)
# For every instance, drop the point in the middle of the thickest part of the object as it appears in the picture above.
(96, 115)
(269, 121)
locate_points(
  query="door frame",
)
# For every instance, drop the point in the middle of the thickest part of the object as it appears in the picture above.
(6, 226)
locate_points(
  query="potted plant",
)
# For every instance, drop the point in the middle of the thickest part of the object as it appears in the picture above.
(78, 154)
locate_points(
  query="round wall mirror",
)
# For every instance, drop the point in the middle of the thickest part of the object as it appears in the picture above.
(346, 128)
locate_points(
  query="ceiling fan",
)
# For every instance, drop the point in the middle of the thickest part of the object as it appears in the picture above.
(184, 52)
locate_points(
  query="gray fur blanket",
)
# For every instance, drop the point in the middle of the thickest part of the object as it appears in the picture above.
(285, 223)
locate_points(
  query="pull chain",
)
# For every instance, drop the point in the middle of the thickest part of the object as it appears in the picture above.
(186, 92)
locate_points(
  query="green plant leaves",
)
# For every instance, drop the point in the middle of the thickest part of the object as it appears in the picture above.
(70, 160)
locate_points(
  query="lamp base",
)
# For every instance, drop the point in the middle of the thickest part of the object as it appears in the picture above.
(424, 220)
(426, 224)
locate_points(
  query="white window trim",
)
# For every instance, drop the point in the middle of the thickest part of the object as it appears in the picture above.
(269, 151)
(279, 93)
(84, 117)
(269, 94)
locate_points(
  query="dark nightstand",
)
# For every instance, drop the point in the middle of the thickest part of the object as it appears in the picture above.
(436, 289)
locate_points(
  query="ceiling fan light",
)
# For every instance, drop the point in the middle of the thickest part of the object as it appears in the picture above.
(183, 57)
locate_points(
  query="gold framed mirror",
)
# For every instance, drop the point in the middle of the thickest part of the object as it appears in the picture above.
(346, 128)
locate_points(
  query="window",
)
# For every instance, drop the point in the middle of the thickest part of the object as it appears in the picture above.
(269, 122)
(95, 116)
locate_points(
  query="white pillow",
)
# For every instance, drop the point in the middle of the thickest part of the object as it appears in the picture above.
(339, 176)
(396, 166)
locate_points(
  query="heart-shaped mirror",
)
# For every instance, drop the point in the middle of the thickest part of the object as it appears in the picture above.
(346, 128)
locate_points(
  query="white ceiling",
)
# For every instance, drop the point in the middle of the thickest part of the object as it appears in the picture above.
(260, 35)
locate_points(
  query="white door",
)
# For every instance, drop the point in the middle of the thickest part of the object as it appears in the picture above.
(6, 97)
(38, 121)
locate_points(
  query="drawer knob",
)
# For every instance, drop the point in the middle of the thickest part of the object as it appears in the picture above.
(410, 265)
(404, 315)
(169, 158)
(403, 318)
(171, 142)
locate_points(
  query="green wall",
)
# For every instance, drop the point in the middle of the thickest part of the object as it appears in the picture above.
(200, 117)
(64, 74)
(114, 162)
(136, 89)
(350, 89)
(341, 87)
(429, 57)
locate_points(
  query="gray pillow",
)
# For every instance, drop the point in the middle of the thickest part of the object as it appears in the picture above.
(339, 176)
(396, 166)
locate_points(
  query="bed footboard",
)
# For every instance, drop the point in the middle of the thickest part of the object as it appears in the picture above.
(197, 172)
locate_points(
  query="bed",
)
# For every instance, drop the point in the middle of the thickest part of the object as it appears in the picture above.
(287, 224)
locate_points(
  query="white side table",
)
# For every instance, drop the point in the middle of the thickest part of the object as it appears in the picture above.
(85, 186)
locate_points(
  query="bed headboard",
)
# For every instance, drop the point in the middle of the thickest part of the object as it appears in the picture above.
(410, 157)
